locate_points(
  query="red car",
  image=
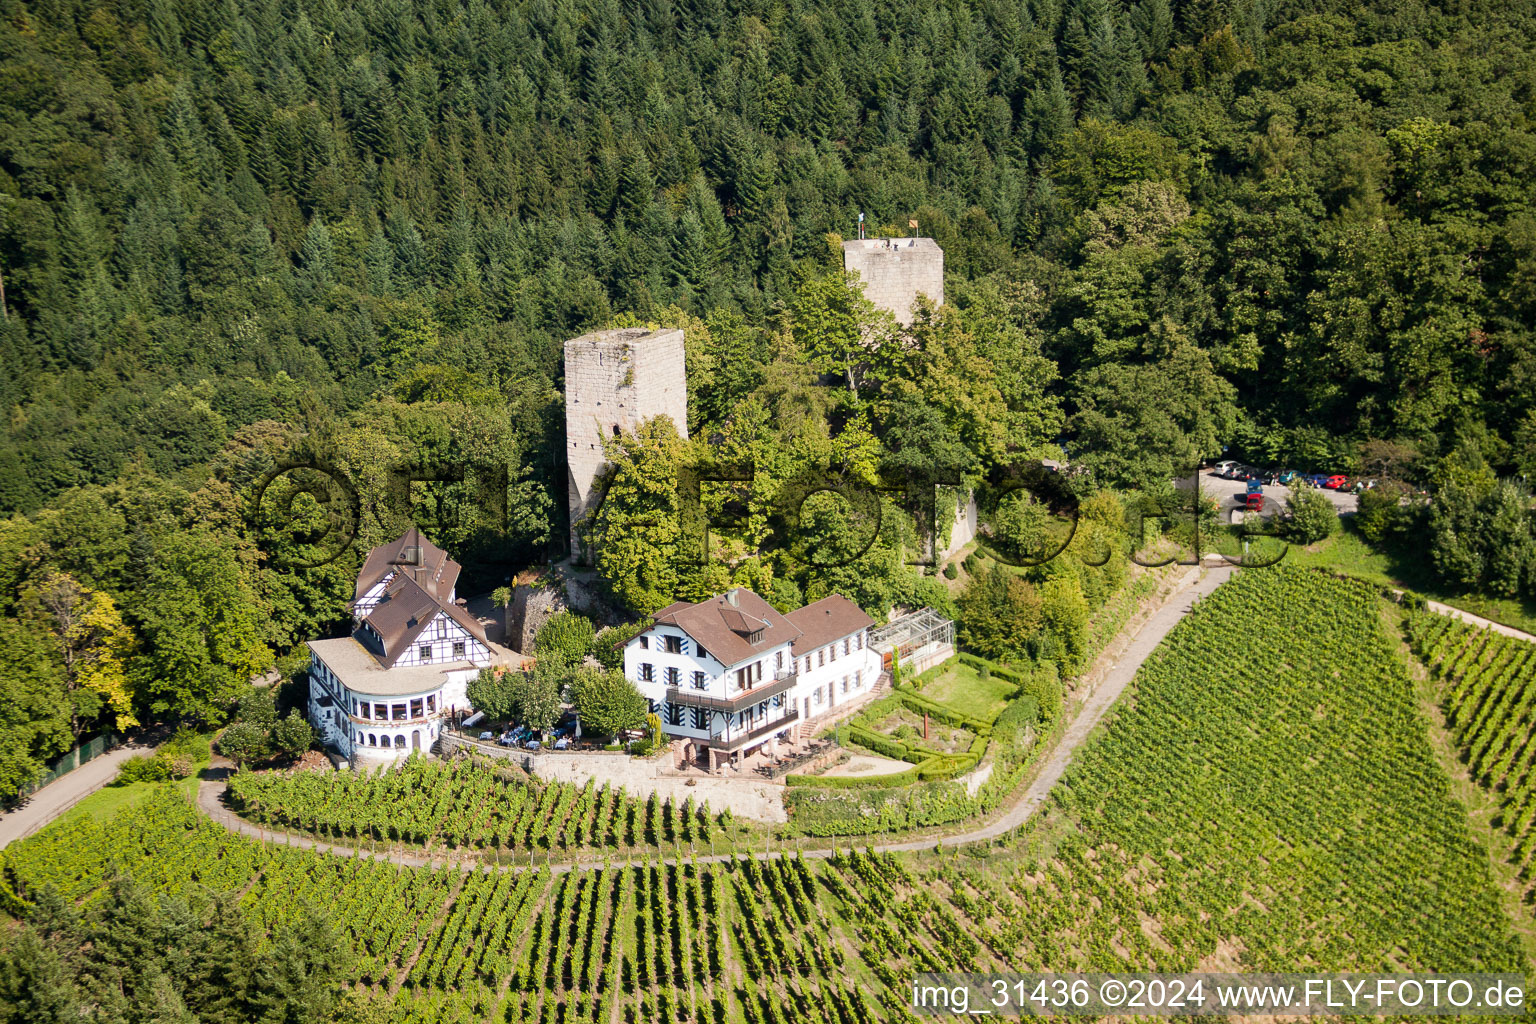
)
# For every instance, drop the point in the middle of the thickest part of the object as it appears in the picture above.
(1337, 482)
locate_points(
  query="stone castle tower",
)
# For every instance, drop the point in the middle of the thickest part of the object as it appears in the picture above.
(895, 271)
(614, 381)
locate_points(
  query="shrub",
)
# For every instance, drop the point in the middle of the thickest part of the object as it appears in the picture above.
(1313, 516)
(951, 571)
(1381, 512)
(243, 743)
(878, 743)
(1044, 685)
(292, 736)
(608, 646)
(901, 778)
(143, 768)
(566, 639)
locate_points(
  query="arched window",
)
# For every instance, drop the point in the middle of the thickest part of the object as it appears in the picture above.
(400, 742)
(372, 740)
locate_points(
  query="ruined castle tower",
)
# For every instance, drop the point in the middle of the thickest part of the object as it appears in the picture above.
(614, 381)
(895, 271)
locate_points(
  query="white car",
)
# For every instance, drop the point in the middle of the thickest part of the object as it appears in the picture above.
(1224, 469)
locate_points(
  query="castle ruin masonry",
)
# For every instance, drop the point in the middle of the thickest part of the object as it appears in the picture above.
(614, 381)
(895, 271)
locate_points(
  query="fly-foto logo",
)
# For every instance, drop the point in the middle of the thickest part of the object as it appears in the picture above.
(308, 512)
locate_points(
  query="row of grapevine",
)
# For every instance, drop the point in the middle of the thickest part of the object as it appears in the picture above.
(164, 842)
(740, 942)
(1266, 791)
(465, 803)
(385, 910)
(1487, 686)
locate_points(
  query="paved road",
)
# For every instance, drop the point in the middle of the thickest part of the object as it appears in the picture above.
(1024, 806)
(63, 793)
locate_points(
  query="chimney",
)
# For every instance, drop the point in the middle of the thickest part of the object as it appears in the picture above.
(731, 598)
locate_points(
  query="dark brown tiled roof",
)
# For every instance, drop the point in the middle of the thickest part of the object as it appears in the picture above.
(831, 618)
(412, 556)
(723, 628)
(421, 578)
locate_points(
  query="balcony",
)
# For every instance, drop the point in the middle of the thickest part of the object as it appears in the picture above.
(737, 742)
(689, 698)
(376, 723)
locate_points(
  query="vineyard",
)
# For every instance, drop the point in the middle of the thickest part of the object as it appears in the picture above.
(1265, 799)
(1267, 787)
(466, 803)
(1487, 688)
(740, 941)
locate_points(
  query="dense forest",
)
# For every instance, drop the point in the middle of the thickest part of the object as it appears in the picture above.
(233, 233)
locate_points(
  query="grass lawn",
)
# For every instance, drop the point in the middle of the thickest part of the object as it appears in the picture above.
(106, 802)
(961, 687)
(1348, 552)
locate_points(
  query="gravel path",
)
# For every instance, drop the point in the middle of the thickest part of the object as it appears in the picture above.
(1023, 807)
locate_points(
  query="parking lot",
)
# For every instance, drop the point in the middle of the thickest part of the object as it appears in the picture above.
(1231, 495)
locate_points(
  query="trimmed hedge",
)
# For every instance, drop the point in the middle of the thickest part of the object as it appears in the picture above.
(878, 742)
(901, 778)
(917, 702)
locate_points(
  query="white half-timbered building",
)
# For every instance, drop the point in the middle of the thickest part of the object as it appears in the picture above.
(732, 674)
(388, 688)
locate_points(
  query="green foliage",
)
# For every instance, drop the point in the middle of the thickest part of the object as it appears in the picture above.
(530, 698)
(1064, 610)
(1383, 514)
(145, 940)
(608, 646)
(1482, 532)
(492, 692)
(1485, 684)
(635, 532)
(292, 736)
(230, 238)
(176, 758)
(1000, 613)
(1312, 515)
(566, 639)
(242, 743)
(606, 702)
(198, 621)
(429, 804)
(536, 697)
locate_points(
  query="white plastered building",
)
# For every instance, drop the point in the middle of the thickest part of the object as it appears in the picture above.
(732, 674)
(390, 687)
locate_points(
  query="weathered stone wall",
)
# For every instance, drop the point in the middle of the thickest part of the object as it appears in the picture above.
(532, 606)
(895, 271)
(614, 381)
